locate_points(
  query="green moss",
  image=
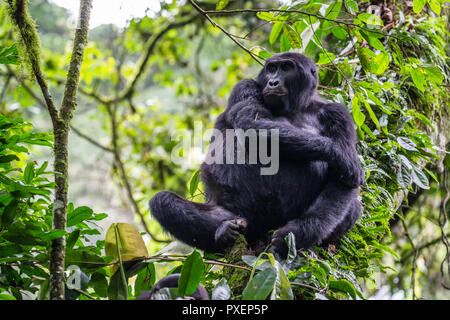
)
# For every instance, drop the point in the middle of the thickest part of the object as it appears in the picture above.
(237, 278)
(25, 29)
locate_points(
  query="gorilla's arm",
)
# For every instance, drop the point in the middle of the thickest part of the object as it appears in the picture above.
(246, 111)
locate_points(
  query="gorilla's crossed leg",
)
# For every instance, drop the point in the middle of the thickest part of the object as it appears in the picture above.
(212, 228)
(205, 226)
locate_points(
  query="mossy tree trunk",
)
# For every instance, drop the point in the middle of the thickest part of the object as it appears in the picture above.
(30, 45)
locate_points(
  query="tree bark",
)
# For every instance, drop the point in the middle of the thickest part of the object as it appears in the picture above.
(61, 147)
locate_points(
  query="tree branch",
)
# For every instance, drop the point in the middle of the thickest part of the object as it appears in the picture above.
(337, 21)
(229, 35)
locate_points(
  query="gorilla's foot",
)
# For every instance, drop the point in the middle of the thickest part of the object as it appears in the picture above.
(229, 230)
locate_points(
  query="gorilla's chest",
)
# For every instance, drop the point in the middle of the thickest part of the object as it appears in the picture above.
(305, 121)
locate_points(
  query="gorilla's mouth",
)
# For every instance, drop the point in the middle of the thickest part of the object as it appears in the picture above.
(281, 91)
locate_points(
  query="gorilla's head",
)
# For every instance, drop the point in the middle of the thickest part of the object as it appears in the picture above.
(288, 80)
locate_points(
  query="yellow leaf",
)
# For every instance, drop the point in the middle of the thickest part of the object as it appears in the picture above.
(131, 244)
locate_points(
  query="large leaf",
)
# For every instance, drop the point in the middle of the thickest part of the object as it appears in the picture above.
(291, 34)
(259, 287)
(342, 285)
(131, 244)
(78, 215)
(282, 288)
(275, 32)
(191, 273)
(116, 288)
(418, 5)
(145, 279)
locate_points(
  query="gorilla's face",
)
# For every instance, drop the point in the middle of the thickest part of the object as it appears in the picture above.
(286, 79)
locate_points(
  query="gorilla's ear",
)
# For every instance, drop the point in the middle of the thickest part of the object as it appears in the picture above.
(313, 70)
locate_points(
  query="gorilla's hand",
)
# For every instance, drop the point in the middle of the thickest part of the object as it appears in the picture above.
(228, 231)
(350, 171)
(278, 244)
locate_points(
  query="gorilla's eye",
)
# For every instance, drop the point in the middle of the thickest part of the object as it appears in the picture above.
(271, 68)
(285, 66)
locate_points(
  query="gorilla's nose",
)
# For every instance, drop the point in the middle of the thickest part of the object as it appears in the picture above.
(274, 83)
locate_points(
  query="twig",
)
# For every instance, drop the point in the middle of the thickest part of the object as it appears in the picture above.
(111, 108)
(306, 286)
(90, 140)
(229, 35)
(413, 266)
(164, 258)
(442, 222)
(337, 21)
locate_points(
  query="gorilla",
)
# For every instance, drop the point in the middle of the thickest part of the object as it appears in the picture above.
(314, 194)
(171, 281)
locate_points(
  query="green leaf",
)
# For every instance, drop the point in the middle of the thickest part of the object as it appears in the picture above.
(41, 169)
(282, 288)
(292, 250)
(358, 116)
(28, 173)
(404, 177)
(370, 19)
(333, 10)
(418, 5)
(78, 215)
(373, 41)
(84, 259)
(264, 54)
(131, 244)
(259, 287)
(351, 6)
(342, 285)
(435, 6)
(10, 213)
(339, 33)
(275, 32)
(72, 239)
(221, 4)
(292, 36)
(419, 177)
(434, 73)
(145, 279)
(381, 63)
(191, 273)
(9, 55)
(285, 45)
(100, 284)
(116, 288)
(8, 158)
(407, 144)
(371, 113)
(418, 78)
(194, 182)
(268, 16)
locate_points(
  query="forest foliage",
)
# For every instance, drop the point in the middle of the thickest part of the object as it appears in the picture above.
(387, 61)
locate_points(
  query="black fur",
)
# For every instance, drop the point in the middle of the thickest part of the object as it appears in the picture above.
(171, 281)
(315, 192)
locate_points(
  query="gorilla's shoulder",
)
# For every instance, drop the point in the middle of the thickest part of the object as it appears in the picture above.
(245, 89)
(333, 111)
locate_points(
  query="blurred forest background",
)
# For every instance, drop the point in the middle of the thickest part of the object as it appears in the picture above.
(171, 67)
